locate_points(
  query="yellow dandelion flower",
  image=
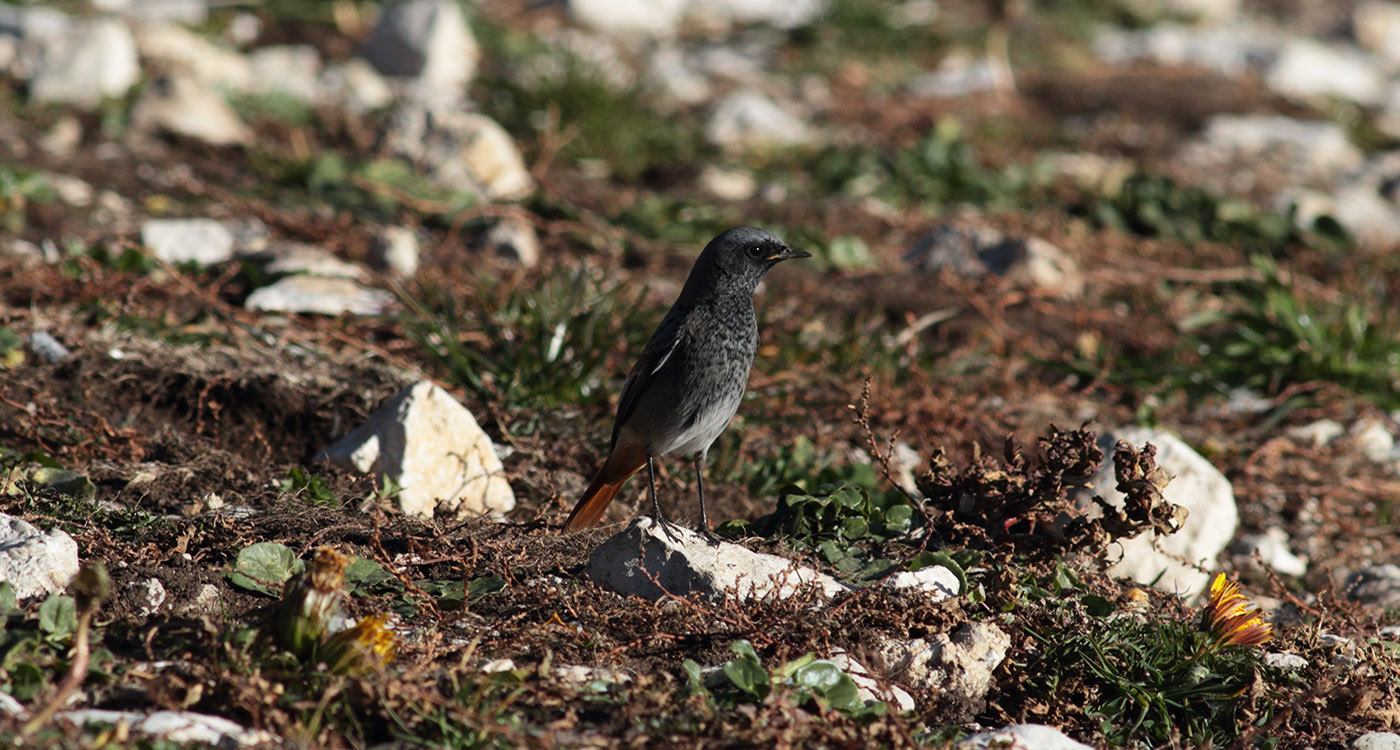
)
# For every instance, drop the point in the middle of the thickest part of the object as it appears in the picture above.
(1231, 619)
(367, 647)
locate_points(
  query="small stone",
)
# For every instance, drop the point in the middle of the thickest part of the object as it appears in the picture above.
(206, 600)
(782, 14)
(976, 251)
(177, 48)
(64, 137)
(958, 76)
(147, 595)
(643, 561)
(732, 185)
(1022, 737)
(188, 12)
(958, 665)
(1306, 150)
(395, 249)
(1376, 25)
(1377, 741)
(47, 347)
(513, 238)
(1373, 440)
(293, 69)
(1376, 585)
(935, 580)
(34, 562)
(202, 241)
(433, 449)
(1231, 51)
(1285, 661)
(180, 727)
(427, 40)
(497, 665)
(94, 60)
(867, 687)
(671, 73)
(599, 677)
(355, 85)
(10, 706)
(630, 19)
(459, 150)
(1197, 486)
(1318, 433)
(1272, 547)
(181, 105)
(318, 295)
(285, 258)
(1307, 68)
(749, 119)
(73, 191)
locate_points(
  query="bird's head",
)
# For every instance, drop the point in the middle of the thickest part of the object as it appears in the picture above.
(745, 254)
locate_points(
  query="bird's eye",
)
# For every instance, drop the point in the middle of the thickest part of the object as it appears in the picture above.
(755, 251)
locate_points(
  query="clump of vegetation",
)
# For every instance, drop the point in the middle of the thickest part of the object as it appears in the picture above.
(816, 683)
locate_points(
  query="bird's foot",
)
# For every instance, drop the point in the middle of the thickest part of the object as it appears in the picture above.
(710, 537)
(667, 528)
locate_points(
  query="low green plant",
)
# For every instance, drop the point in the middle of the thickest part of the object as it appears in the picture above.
(34, 646)
(816, 683)
(18, 188)
(307, 487)
(528, 346)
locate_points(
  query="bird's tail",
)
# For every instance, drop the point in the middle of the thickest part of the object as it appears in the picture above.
(620, 466)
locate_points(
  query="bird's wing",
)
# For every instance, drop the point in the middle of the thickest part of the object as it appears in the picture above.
(662, 350)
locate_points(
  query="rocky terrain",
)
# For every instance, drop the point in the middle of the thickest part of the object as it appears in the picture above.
(314, 317)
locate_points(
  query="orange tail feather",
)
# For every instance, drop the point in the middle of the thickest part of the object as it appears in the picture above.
(620, 466)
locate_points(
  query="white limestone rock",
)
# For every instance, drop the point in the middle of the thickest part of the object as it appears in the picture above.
(34, 562)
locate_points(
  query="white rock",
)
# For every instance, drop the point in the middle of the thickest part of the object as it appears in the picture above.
(671, 73)
(1029, 262)
(783, 14)
(959, 664)
(318, 295)
(203, 241)
(957, 76)
(432, 448)
(1307, 68)
(205, 601)
(1376, 25)
(459, 150)
(732, 185)
(1376, 585)
(748, 119)
(1318, 433)
(628, 561)
(1201, 11)
(356, 85)
(935, 580)
(1373, 439)
(48, 348)
(181, 105)
(580, 674)
(1196, 485)
(174, 726)
(1272, 547)
(179, 48)
(1377, 741)
(283, 258)
(74, 191)
(34, 562)
(1230, 51)
(1309, 150)
(427, 40)
(293, 69)
(94, 60)
(628, 19)
(868, 688)
(1285, 661)
(395, 249)
(497, 665)
(189, 12)
(1022, 737)
(147, 595)
(10, 706)
(513, 238)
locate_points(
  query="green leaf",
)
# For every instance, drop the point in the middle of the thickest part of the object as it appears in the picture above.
(58, 616)
(819, 676)
(69, 483)
(9, 603)
(748, 676)
(363, 573)
(263, 567)
(480, 587)
(1097, 606)
(854, 528)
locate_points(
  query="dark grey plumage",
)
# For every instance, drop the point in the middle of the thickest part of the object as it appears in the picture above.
(690, 378)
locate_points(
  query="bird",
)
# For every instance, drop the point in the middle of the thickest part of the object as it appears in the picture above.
(687, 384)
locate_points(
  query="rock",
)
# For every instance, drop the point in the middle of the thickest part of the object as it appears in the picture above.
(670, 72)
(598, 678)
(1377, 741)
(1307, 68)
(47, 347)
(628, 562)
(395, 249)
(459, 151)
(935, 580)
(630, 19)
(72, 190)
(957, 76)
(976, 251)
(957, 666)
(285, 258)
(1377, 586)
(202, 241)
(293, 69)
(1318, 433)
(783, 14)
(1200, 11)
(64, 137)
(188, 12)
(355, 85)
(733, 185)
(433, 449)
(497, 665)
(181, 105)
(176, 47)
(867, 687)
(1271, 547)
(1285, 661)
(514, 238)
(95, 59)
(206, 601)
(749, 119)
(1300, 150)
(1231, 51)
(178, 727)
(146, 595)
(1196, 485)
(1373, 439)
(1376, 25)
(1022, 737)
(10, 706)
(319, 295)
(35, 563)
(426, 40)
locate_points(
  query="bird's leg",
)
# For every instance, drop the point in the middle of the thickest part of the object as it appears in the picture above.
(700, 488)
(661, 521)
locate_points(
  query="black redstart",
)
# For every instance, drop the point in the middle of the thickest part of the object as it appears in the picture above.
(687, 385)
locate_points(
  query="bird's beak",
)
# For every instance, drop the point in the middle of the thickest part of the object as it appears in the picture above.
(788, 253)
